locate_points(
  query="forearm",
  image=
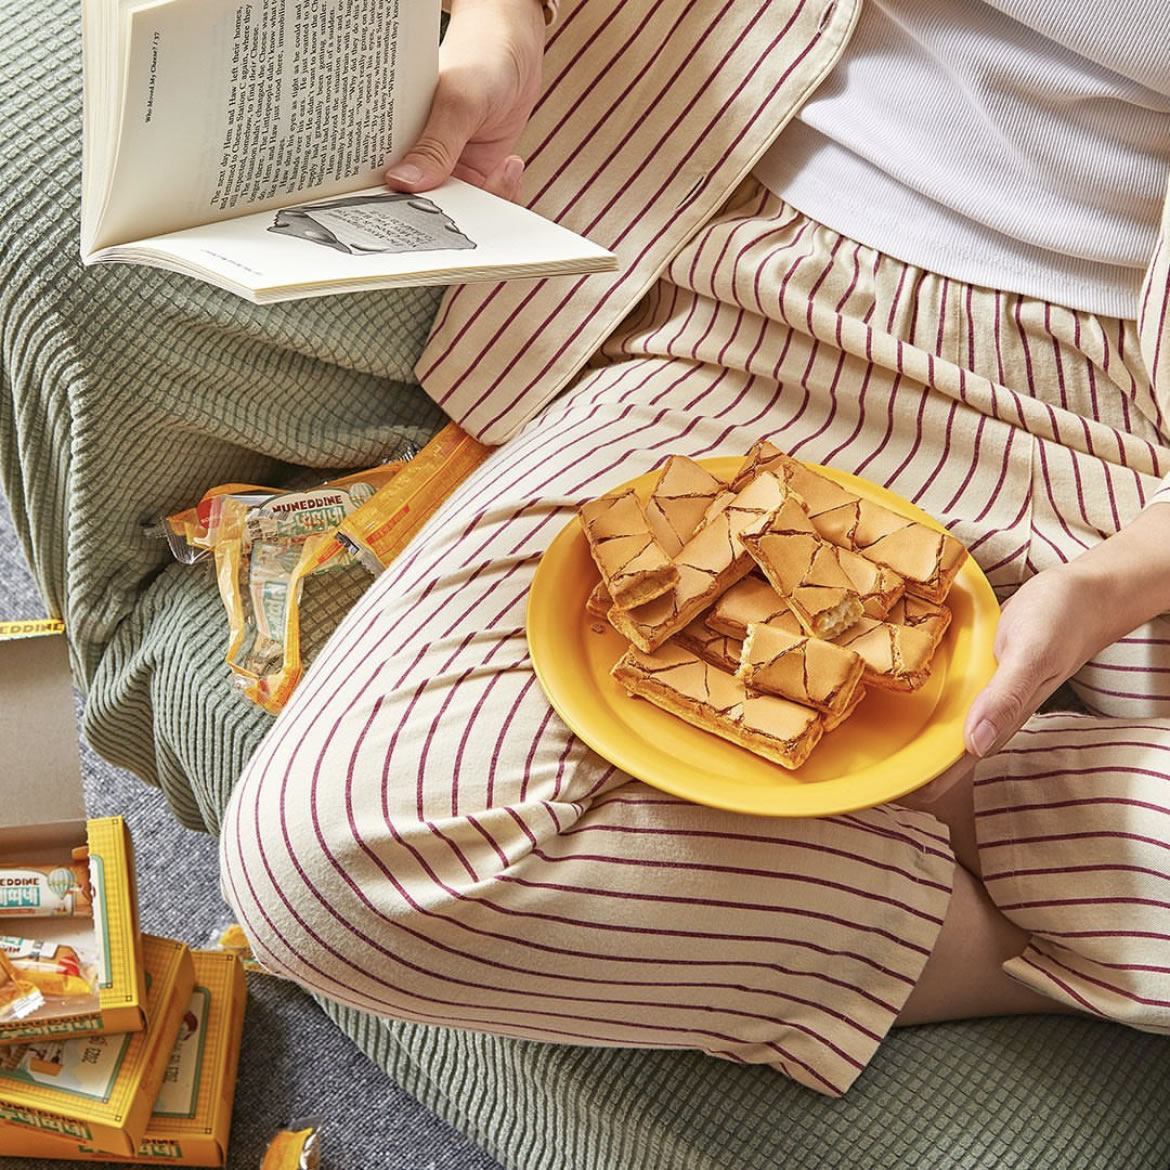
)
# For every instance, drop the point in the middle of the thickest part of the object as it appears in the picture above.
(1126, 579)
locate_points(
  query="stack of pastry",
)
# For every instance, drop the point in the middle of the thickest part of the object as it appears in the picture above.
(762, 609)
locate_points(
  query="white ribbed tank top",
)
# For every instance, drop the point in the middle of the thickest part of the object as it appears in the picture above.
(1018, 144)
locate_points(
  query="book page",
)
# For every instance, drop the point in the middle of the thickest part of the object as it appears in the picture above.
(369, 239)
(237, 104)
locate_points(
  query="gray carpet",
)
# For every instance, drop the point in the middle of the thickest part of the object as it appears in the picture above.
(295, 1062)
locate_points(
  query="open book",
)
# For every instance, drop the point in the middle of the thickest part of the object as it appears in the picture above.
(242, 142)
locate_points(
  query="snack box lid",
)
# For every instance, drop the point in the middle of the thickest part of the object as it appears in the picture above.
(41, 798)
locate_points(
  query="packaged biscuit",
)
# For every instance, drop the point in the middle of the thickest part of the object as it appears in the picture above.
(31, 890)
(18, 997)
(297, 1147)
(190, 1123)
(99, 1090)
(378, 531)
(54, 969)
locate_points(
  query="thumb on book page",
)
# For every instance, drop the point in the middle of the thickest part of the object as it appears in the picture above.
(434, 156)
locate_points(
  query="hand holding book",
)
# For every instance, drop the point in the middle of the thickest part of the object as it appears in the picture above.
(489, 80)
(246, 145)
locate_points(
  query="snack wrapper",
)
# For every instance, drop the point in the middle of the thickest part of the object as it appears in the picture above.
(381, 528)
(18, 997)
(45, 891)
(296, 1148)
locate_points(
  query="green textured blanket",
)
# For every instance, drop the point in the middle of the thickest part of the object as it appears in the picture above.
(124, 394)
(127, 392)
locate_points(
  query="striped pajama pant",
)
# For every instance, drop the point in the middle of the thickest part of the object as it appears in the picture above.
(420, 836)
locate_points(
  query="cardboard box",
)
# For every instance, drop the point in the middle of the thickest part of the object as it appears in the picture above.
(192, 1116)
(100, 1090)
(42, 819)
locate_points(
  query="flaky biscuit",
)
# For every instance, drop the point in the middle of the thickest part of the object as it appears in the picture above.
(897, 658)
(599, 602)
(921, 615)
(832, 722)
(753, 599)
(927, 559)
(710, 645)
(711, 561)
(804, 569)
(878, 587)
(680, 500)
(801, 668)
(683, 684)
(633, 565)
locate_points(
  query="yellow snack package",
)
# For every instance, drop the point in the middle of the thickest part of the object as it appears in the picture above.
(295, 1148)
(380, 529)
(263, 552)
(18, 997)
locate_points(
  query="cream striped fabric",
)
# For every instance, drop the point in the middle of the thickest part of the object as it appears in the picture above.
(652, 115)
(422, 837)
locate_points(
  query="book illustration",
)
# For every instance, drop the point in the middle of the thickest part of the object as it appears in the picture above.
(365, 224)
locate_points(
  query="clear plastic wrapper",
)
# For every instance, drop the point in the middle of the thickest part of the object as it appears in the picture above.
(55, 969)
(18, 997)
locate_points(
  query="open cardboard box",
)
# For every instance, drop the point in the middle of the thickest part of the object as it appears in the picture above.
(42, 820)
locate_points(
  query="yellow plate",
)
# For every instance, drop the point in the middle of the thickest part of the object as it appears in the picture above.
(891, 745)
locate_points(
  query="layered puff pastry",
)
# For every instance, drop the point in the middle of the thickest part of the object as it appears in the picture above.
(927, 559)
(703, 695)
(804, 570)
(711, 560)
(634, 567)
(794, 666)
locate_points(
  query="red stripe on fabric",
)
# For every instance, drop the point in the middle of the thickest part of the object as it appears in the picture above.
(613, 58)
(1071, 992)
(1088, 801)
(1120, 992)
(1149, 696)
(632, 269)
(1054, 870)
(787, 843)
(799, 911)
(634, 222)
(1096, 770)
(792, 876)
(1088, 835)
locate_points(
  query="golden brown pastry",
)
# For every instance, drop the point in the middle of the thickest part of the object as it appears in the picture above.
(680, 501)
(928, 559)
(897, 658)
(679, 682)
(711, 561)
(921, 615)
(804, 570)
(806, 670)
(633, 566)
(599, 602)
(878, 587)
(832, 722)
(710, 645)
(751, 600)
